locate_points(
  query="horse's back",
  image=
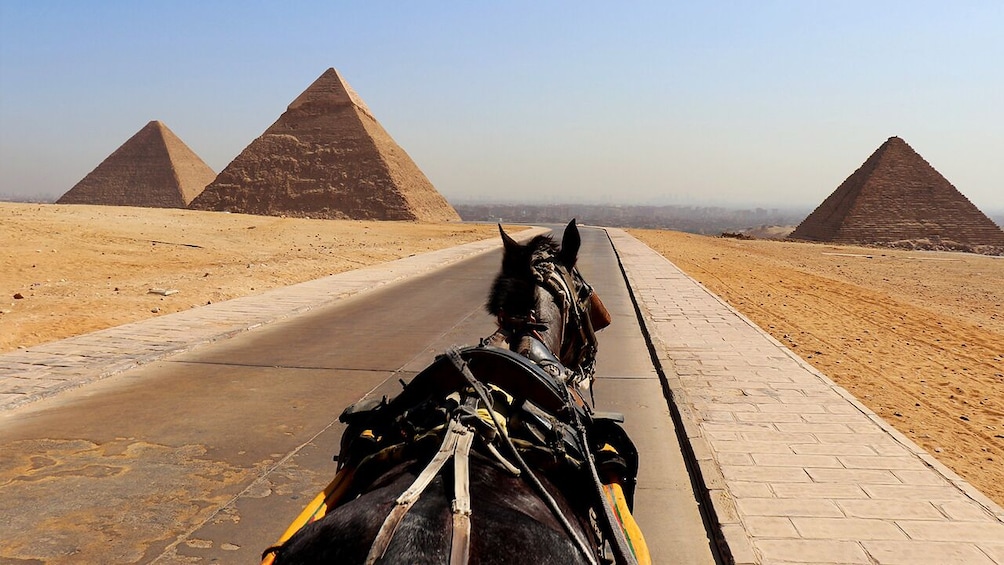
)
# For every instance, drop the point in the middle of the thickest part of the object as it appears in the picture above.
(508, 521)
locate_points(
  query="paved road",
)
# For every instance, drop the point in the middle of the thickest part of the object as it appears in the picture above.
(211, 453)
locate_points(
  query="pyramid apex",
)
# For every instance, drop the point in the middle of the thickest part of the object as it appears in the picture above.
(156, 127)
(895, 145)
(329, 89)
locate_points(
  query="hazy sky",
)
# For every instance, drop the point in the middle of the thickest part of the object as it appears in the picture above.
(724, 103)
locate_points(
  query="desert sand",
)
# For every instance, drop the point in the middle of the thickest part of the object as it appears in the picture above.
(918, 337)
(84, 268)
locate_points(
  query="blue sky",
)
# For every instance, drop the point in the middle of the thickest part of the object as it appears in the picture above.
(724, 103)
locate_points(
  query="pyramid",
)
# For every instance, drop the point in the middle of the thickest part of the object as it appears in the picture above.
(897, 196)
(153, 169)
(326, 157)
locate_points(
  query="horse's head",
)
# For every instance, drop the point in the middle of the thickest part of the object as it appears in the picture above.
(540, 294)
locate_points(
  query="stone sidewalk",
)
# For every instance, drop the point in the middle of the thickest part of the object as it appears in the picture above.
(37, 372)
(795, 468)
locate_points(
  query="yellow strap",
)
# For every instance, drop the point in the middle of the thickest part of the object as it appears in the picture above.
(615, 496)
(316, 509)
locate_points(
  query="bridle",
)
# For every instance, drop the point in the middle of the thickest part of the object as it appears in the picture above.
(573, 295)
(582, 314)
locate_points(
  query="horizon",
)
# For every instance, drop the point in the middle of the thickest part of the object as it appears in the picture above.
(730, 105)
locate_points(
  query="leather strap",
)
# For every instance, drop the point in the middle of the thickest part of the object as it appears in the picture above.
(460, 552)
(454, 356)
(408, 498)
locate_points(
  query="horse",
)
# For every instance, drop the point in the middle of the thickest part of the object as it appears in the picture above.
(531, 460)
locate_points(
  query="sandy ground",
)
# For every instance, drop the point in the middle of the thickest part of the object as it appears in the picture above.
(83, 268)
(918, 337)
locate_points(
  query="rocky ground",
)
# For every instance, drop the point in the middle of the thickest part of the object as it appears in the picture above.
(917, 336)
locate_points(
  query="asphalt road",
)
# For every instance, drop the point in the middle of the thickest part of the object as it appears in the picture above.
(209, 455)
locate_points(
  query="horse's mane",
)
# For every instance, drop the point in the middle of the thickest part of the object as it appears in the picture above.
(512, 291)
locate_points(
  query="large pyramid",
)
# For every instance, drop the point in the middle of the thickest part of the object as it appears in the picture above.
(153, 169)
(897, 196)
(326, 157)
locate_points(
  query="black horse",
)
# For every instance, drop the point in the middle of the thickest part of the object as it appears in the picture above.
(491, 455)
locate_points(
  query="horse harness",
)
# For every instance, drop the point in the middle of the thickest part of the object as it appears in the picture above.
(466, 423)
(479, 413)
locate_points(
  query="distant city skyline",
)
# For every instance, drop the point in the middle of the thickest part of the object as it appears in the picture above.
(769, 104)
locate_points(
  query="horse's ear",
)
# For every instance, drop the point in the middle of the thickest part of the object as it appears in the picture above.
(507, 242)
(570, 243)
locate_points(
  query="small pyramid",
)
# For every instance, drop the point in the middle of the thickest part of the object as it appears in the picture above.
(153, 169)
(326, 157)
(897, 196)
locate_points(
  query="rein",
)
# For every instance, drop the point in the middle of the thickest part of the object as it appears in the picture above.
(457, 444)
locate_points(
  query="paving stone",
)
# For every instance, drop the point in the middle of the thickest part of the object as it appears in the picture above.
(891, 509)
(782, 437)
(770, 527)
(873, 438)
(788, 507)
(741, 489)
(725, 446)
(764, 474)
(967, 511)
(994, 550)
(879, 462)
(732, 404)
(832, 449)
(29, 386)
(785, 417)
(847, 409)
(853, 476)
(723, 436)
(915, 552)
(955, 531)
(811, 551)
(920, 477)
(845, 528)
(734, 459)
(736, 427)
(717, 416)
(800, 409)
(814, 427)
(793, 460)
(910, 492)
(739, 545)
(830, 491)
(830, 418)
(10, 399)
